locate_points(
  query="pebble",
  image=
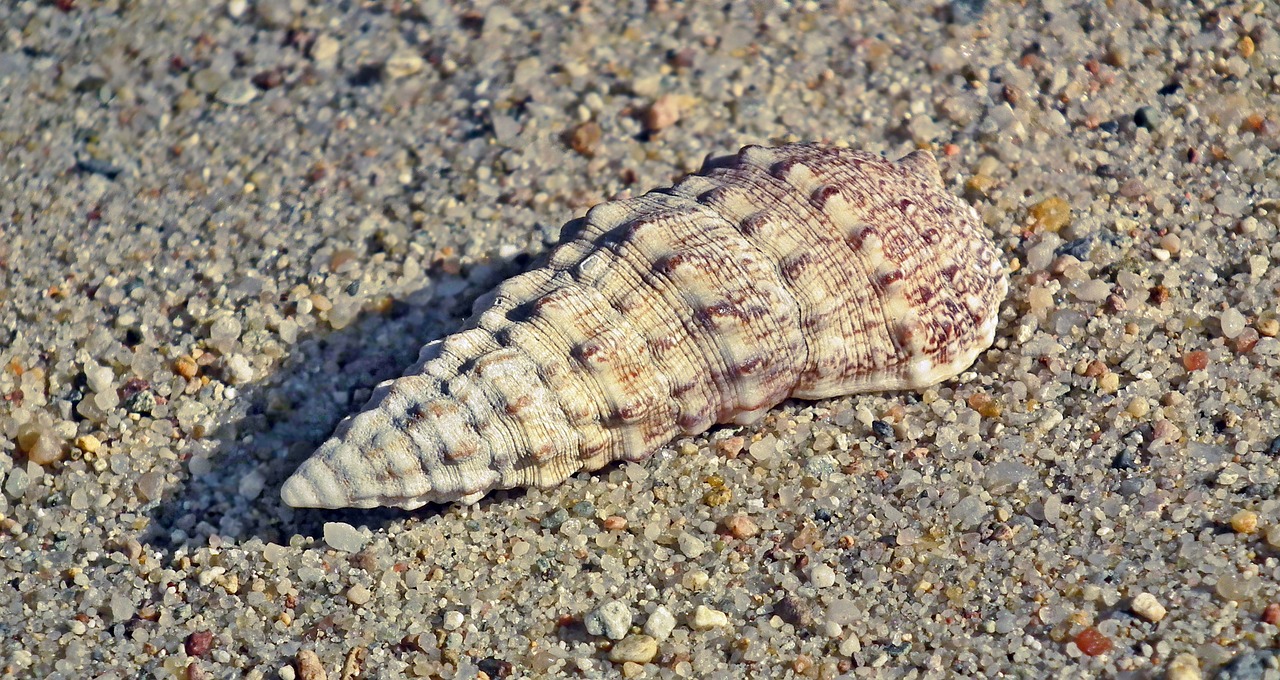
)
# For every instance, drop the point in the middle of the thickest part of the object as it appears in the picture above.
(706, 618)
(585, 138)
(691, 545)
(359, 595)
(98, 378)
(1092, 642)
(308, 666)
(186, 367)
(41, 445)
(274, 13)
(223, 334)
(1244, 522)
(1183, 667)
(236, 93)
(611, 619)
(662, 113)
(740, 526)
(15, 485)
(453, 620)
(198, 643)
(404, 64)
(635, 649)
(1051, 214)
(660, 624)
(1146, 606)
(1236, 587)
(1232, 323)
(822, 576)
(344, 537)
(1148, 117)
(238, 369)
(325, 52)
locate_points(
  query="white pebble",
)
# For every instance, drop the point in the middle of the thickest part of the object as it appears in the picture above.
(660, 624)
(1232, 323)
(453, 620)
(344, 537)
(1146, 606)
(404, 63)
(691, 545)
(611, 619)
(358, 595)
(822, 576)
(706, 618)
(239, 370)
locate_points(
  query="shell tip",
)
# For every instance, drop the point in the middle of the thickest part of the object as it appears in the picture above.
(301, 491)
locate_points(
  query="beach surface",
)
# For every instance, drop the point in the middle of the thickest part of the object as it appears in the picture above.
(221, 224)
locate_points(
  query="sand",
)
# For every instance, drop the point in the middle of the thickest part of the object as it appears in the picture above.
(221, 224)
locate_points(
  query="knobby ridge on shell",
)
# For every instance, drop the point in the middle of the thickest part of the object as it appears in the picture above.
(797, 271)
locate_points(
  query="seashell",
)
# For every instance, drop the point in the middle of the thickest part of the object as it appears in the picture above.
(798, 271)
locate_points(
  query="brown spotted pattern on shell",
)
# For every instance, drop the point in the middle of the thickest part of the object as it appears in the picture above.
(798, 271)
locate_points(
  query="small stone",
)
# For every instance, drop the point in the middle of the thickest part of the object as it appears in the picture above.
(15, 485)
(236, 93)
(98, 378)
(344, 537)
(1051, 214)
(1269, 327)
(1092, 642)
(635, 649)
(1195, 361)
(1236, 588)
(706, 618)
(403, 64)
(453, 620)
(660, 624)
(614, 523)
(325, 49)
(1146, 606)
(691, 545)
(238, 369)
(1271, 614)
(274, 13)
(40, 444)
(143, 402)
(662, 113)
(359, 595)
(207, 81)
(151, 486)
(223, 334)
(186, 367)
(1148, 117)
(822, 576)
(309, 666)
(585, 138)
(1232, 323)
(741, 526)
(1183, 667)
(198, 643)
(1244, 522)
(611, 619)
(794, 611)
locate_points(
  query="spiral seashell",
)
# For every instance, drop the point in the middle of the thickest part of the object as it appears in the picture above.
(798, 271)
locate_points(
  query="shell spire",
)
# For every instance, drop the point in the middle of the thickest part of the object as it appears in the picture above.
(798, 271)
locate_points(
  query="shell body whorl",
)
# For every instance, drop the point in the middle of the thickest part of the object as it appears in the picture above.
(797, 271)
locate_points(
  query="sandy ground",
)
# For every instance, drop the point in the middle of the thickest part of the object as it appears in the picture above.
(222, 223)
